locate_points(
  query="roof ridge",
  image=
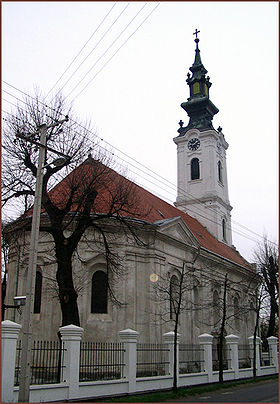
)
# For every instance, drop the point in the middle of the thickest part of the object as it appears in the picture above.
(159, 209)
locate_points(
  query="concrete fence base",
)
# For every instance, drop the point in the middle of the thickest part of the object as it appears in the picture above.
(71, 388)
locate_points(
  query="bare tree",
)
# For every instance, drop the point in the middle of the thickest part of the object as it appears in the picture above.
(227, 310)
(225, 301)
(172, 292)
(257, 307)
(4, 270)
(77, 195)
(8, 245)
(266, 257)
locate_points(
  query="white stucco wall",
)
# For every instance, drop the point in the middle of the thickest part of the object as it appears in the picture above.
(168, 246)
(206, 197)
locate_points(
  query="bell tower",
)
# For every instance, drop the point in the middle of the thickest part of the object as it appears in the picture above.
(202, 187)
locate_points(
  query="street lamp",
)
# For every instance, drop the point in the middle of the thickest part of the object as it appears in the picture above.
(57, 162)
(18, 302)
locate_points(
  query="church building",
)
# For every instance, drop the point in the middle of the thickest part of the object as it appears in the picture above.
(196, 231)
(201, 158)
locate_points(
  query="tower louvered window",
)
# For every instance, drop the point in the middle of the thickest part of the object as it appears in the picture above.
(224, 230)
(195, 174)
(220, 176)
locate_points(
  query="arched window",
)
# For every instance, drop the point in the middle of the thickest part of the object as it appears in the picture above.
(38, 292)
(174, 295)
(216, 309)
(220, 174)
(99, 292)
(224, 230)
(195, 169)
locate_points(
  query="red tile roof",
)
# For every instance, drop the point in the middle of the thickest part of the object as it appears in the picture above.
(148, 206)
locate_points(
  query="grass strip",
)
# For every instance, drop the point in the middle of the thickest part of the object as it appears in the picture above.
(183, 392)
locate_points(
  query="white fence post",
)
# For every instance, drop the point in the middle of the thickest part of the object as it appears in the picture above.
(71, 338)
(272, 343)
(169, 340)
(258, 359)
(129, 339)
(206, 342)
(232, 345)
(10, 332)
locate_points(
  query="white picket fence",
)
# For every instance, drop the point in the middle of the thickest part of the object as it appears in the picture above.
(129, 382)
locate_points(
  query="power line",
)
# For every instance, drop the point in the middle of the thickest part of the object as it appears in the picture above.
(185, 193)
(103, 36)
(104, 53)
(153, 177)
(100, 70)
(24, 102)
(68, 67)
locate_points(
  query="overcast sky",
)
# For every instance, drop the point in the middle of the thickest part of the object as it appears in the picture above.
(136, 83)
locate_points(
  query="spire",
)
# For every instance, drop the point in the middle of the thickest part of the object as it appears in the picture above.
(197, 68)
(199, 107)
(197, 60)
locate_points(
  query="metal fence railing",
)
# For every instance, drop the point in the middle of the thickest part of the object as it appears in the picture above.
(152, 359)
(105, 360)
(245, 354)
(191, 359)
(46, 362)
(101, 360)
(215, 357)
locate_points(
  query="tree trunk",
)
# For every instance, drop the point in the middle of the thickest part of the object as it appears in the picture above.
(271, 324)
(4, 288)
(255, 354)
(175, 383)
(220, 356)
(221, 336)
(67, 293)
(255, 338)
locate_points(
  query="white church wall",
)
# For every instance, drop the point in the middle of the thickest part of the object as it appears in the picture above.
(164, 254)
(205, 198)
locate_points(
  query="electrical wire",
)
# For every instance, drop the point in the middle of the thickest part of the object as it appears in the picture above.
(103, 36)
(124, 43)
(173, 186)
(103, 54)
(187, 194)
(68, 67)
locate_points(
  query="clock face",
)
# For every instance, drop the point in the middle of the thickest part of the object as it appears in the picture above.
(193, 144)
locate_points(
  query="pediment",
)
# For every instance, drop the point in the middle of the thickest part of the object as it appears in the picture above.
(177, 229)
(96, 259)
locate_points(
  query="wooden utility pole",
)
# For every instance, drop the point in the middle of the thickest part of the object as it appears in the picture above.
(26, 354)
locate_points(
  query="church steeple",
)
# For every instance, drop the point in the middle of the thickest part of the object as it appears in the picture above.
(197, 68)
(198, 107)
(202, 189)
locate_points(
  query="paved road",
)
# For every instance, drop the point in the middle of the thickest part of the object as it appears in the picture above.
(261, 392)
